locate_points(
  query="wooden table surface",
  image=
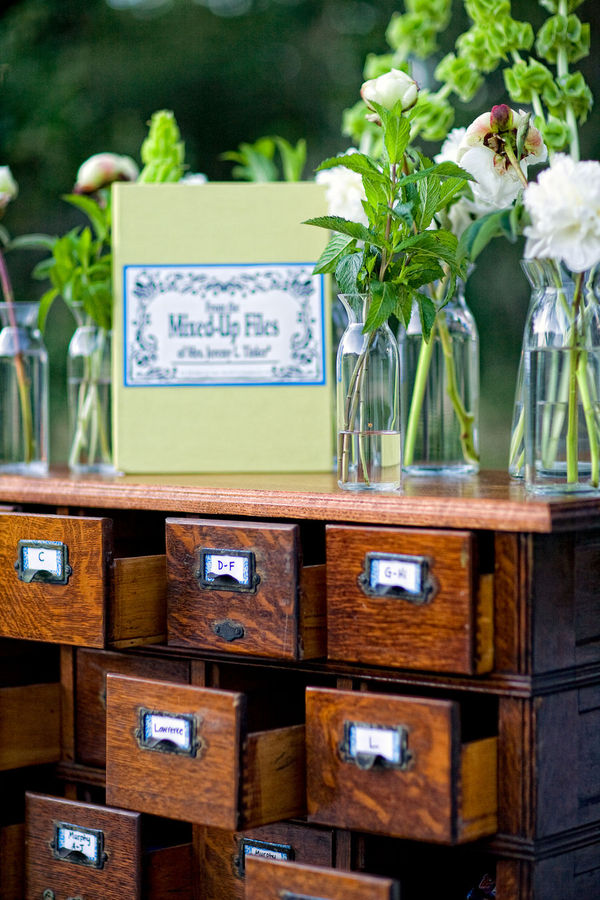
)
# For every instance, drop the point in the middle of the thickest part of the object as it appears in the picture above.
(490, 500)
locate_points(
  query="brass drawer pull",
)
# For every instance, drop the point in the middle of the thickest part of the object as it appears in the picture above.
(262, 849)
(229, 630)
(227, 570)
(168, 733)
(83, 846)
(45, 561)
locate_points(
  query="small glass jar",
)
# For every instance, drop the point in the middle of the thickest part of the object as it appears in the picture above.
(368, 412)
(89, 396)
(561, 355)
(23, 391)
(440, 392)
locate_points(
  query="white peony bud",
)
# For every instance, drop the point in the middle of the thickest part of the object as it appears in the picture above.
(8, 187)
(102, 169)
(388, 89)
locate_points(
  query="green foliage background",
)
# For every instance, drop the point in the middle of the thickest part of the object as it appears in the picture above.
(84, 76)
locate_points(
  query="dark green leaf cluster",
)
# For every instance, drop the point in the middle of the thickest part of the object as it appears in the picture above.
(79, 267)
(400, 250)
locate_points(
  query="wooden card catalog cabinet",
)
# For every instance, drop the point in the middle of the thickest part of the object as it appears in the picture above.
(395, 765)
(410, 598)
(239, 587)
(60, 584)
(223, 854)
(182, 752)
(83, 850)
(267, 880)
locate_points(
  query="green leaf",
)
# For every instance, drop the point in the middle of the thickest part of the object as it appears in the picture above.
(478, 235)
(396, 135)
(293, 159)
(405, 297)
(346, 273)
(46, 301)
(382, 305)
(356, 162)
(330, 256)
(95, 214)
(419, 274)
(429, 196)
(427, 314)
(448, 189)
(441, 170)
(343, 226)
(33, 242)
(439, 244)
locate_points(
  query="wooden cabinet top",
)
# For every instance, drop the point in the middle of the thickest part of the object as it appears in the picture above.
(490, 500)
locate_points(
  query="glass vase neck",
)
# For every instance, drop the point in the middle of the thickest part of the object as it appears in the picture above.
(548, 273)
(356, 306)
(20, 314)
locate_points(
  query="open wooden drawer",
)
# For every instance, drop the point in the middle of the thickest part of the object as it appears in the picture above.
(183, 752)
(395, 765)
(59, 583)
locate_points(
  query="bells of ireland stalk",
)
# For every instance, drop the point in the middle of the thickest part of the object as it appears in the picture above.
(162, 152)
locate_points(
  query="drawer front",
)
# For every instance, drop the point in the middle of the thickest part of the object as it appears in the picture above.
(80, 849)
(53, 578)
(394, 765)
(233, 586)
(29, 725)
(223, 854)
(90, 703)
(405, 597)
(267, 880)
(173, 750)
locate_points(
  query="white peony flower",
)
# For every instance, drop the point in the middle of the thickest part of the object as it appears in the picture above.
(388, 89)
(8, 187)
(564, 206)
(344, 193)
(482, 152)
(101, 170)
(193, 178)
(449, 149)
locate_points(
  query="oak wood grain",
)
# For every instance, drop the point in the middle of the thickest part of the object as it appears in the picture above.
(138, 601)
(269, 880)
(71, 613)
(91, 667)
(489, 500)
(203, 789)
(440, 634)
(29, 725)
(221, 871)
(12, 862)
(120, 875)
(274, 776)
(167, 873)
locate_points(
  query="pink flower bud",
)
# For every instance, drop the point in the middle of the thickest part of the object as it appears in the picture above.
(101, 170)
(501, 118)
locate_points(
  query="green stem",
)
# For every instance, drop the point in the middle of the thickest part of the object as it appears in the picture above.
(465, 418)
(23, 383)
(418, 394)
(89, 424)
(572, 417)
(590, 419)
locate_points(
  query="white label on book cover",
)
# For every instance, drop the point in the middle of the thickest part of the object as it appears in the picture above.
(235, 324)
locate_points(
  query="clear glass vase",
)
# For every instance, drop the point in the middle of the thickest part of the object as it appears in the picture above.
(368, 411)
(440, 392)
(561, 364)
(23, 391)
(89, 396)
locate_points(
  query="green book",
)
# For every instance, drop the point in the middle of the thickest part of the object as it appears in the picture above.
(222, 355)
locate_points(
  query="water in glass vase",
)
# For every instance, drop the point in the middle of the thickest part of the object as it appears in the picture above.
(563, 438)
(435, 442)
(89, 396)
(369, 458)
(20, 415)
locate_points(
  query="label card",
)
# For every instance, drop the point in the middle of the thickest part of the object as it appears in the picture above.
(166, 732)
(229, 570)
(42, 561)
(398, 575)
(375, 741)
(263, 849)
(83, 846)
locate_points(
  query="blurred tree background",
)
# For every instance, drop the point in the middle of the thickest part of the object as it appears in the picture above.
(83, 76)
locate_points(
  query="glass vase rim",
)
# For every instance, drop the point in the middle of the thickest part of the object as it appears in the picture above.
(538, 269)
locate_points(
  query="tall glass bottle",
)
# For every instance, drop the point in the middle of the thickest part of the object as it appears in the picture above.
(23, 391)
(561, 353)
(368, 412)
(440, 392)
